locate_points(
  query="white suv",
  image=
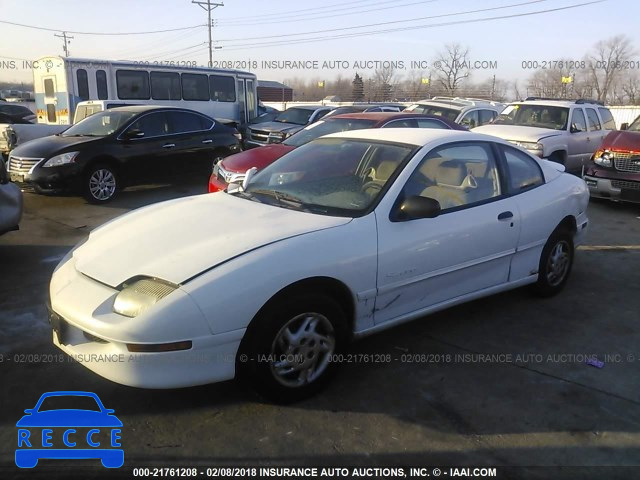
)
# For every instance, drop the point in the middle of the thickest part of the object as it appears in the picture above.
(563, 131)
(470, 112)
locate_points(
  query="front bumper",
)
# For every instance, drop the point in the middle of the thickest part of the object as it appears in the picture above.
(613, 185)
(85, 327)
(51, 179)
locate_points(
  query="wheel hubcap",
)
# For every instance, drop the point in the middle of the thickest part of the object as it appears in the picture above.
(102, 184)
(302, 349)
(558, 263)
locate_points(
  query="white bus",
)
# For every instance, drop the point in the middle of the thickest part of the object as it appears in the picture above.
(60, 83)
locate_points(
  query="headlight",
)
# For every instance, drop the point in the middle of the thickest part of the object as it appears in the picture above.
(138, 296)
(603, 158)
(61, 159)
(530, 145)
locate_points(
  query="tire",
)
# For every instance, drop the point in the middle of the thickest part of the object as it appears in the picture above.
(100, 184)
(286, 354)
(555, 263)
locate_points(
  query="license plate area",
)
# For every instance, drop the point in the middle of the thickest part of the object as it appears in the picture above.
(60, 327)
(16, 177)
(630, 195)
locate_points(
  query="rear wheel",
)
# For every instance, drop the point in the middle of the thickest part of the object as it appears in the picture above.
(100, 183)
(288, 350)
(555, 263)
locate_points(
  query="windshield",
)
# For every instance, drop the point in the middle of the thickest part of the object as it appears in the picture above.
(448, 113)
(99, 124)
(330, 176)
(635, 126)
(323, 127)
(299, 116)
(69, 402)
(541, 116)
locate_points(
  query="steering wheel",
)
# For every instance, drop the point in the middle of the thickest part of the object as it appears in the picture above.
(371, 185)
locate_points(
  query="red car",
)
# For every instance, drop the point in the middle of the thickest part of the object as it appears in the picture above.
(233, 168)
(614, 171)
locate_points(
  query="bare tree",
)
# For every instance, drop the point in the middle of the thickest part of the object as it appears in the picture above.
(630, 85)
(605, 61)
(384, 79)
(451, 67)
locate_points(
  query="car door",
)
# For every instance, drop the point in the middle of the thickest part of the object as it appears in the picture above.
(579, 140)
(146, 158)
(193, 143)
(465, 249)
(597, 133)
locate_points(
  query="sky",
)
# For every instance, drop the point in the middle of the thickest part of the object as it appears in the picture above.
(326, 37)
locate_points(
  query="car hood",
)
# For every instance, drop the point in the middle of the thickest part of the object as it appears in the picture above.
(69, 418)
(622, 140)
(517, 132)
(52, 145)
(256, 157)
(179, 239)
(276, 126)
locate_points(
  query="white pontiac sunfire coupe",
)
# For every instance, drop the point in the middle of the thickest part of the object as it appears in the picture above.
(350, 234)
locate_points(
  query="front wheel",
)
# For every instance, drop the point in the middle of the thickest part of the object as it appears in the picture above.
(555, 264)
(289, 349)
(100, 184)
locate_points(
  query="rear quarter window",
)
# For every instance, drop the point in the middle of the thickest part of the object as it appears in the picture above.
(607, 119)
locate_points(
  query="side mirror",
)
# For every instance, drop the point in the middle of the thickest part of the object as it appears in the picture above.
(133, 134)
(415, 207)
(248, 176)
(575, 129)
(624, 126)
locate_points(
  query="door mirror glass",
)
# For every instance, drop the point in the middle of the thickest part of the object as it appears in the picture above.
(415, 207)
(133, 134)
(624, 126)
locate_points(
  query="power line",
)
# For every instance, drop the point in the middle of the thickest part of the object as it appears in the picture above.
(278, 14)
(314, 16)
(98, 33)
(376, 32)
(430, 17)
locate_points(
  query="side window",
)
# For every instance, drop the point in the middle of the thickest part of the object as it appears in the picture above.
(101, 84)
(594, 122)
(578, 123)
(523, 171)
(183, 122)
(153, 125)
(165, 86)
(132, 85)
(83, 83)
(222, 88)
(318, 115)
(470, 120)
(486, 116)
(607, 118)
(195, 87)
(456, 175)
(406, 123)
(427, 123)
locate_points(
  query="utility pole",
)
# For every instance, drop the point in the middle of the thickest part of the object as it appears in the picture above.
(67, 40)
(208, 6)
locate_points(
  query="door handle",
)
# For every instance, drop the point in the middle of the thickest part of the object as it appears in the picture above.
(505, 215)
(207, 141)
(168, 145)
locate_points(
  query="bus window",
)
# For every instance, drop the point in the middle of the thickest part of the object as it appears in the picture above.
(101, 83)
(241, 105)
(251, 100)
(195, 87)
(49, 91)
(222, 88)
(83, 84)
(165, 86)
(132, 85)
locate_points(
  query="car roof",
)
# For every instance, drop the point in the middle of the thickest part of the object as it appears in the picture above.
(309, 107)
(148, 108)
(380, 117)
(553, 103)
(412, 136)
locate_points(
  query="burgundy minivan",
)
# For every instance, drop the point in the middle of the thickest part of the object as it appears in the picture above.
(614, 171)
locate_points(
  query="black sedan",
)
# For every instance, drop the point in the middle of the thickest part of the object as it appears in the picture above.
(119, 147)
(10, 113)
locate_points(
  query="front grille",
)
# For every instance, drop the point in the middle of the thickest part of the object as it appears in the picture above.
(627, 185)
(627, 162)
(259, 135)
(22, 165)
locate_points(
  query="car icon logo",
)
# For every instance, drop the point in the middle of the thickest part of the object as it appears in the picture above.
(52, 430)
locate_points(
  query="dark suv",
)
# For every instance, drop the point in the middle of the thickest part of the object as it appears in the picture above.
(120, 147)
